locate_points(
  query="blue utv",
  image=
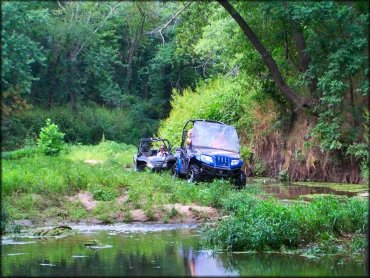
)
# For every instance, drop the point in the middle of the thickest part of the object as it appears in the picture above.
(209, 149)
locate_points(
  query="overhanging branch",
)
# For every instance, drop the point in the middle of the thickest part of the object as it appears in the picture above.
(298, 101)
(164, 26)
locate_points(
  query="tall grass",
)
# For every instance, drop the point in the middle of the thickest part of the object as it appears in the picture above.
(106, 171)
(258, 224)
(68, 172)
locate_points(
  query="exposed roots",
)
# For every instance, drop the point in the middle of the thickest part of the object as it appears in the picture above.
(284, 150)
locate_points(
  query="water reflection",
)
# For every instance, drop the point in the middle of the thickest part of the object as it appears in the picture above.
(154, 253)
(202, 263)
(294, 191)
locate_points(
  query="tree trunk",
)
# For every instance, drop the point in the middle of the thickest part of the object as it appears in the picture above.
(353, 108)
(298, 101)
(303, 57)
(70, 87)
(129, 66)
(134, 43)
(73, 100)
(52, 76)
(50, 99)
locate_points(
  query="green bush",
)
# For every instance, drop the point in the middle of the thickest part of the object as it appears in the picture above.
(284, 176)
(258, 224)
(7, 224)
(17, 154)
(105, 194)
(221, 98)
(51, 139)
(4, 220)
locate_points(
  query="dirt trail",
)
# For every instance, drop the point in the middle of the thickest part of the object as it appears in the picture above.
(168, 213)
(86, 200)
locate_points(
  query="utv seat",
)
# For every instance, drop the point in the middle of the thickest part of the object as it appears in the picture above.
(146, 151)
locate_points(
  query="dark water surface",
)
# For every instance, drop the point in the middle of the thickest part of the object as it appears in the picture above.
(152, 250)
(295, 191)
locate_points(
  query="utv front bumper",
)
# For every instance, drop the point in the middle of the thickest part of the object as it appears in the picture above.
(207, 170)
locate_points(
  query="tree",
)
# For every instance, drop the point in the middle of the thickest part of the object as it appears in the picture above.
(75, 34)
(298, 101)
(320, 50)
(20, 49)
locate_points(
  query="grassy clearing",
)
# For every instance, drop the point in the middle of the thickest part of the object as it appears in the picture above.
(106, 172)
(68, 173)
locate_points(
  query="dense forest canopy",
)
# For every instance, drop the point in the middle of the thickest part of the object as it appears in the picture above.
(292, 76)
(101, 52)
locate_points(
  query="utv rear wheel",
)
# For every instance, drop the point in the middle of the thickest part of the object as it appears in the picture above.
(174, 170)
(193, 174)
(135, 167)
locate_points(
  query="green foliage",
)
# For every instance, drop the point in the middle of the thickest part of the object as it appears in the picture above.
(104, 212)
(341, 67)
(361, 151)
(334, 73)
(329, 245)
(209, 194)
(17, 154)
(51, 139)
(105, 171)
(46, 184)
(94, 55)
(209, 103)
(21, 50)
(260, 167)
(80, 52)
(7, 224)
(74, 210)
(358, 244)
(268, 224)
(284, 176)
(87, 126)
(104, 194)
(68, 172)
(246, 153)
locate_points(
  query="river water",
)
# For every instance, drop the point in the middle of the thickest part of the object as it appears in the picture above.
(151, 250)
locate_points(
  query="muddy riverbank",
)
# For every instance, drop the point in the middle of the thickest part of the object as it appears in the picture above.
(85, 209)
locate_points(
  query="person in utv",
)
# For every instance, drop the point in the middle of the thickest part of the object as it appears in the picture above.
(189, 139)
(162, 151)
(220, 142)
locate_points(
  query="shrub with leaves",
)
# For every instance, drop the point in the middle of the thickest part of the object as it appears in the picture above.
(257, 224)
(51, 139)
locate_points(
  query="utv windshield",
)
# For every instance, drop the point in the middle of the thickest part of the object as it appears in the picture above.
(215, 136)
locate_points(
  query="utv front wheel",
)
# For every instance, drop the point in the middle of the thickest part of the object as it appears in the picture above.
(138, 168)
(241, 180)
(193, 174)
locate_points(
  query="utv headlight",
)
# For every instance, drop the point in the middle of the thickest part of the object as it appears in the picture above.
(234, 162)
(206, 159)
